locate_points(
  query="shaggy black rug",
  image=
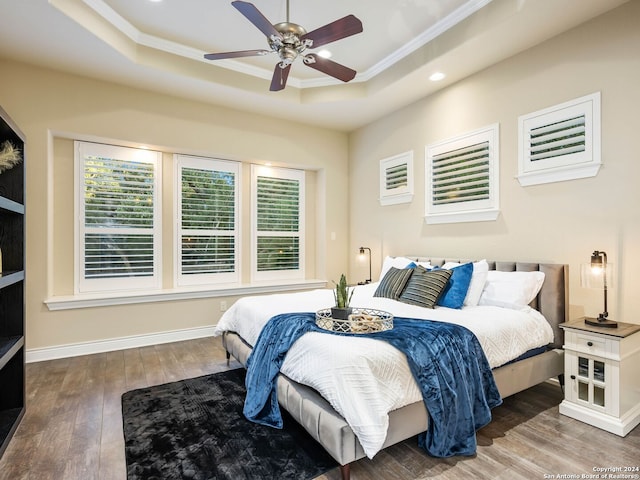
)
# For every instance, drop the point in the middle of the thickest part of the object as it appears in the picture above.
(195, 429)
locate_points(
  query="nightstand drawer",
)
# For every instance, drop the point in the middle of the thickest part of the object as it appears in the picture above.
(591, 344)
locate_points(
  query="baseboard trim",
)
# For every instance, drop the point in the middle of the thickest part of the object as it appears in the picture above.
(122, 343)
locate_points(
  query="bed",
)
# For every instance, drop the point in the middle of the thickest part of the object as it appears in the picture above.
(327, 413)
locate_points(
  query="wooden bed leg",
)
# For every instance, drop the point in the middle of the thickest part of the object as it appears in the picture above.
(345, 470)
(228, 358)
(561, 381)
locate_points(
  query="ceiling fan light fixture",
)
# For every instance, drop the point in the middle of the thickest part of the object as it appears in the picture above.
(290, 40)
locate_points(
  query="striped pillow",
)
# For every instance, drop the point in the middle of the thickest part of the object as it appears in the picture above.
(425, 287)
(393, 283)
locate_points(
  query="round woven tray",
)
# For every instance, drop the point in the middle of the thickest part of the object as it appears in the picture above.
(362, 320)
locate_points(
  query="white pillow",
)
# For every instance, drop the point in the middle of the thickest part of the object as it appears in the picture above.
(397, 262)
(511, 289)
(478, 280)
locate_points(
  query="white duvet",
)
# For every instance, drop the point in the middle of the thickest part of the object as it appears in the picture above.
(363, 378)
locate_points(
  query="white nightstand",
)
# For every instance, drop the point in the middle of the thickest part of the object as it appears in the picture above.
(602, 375)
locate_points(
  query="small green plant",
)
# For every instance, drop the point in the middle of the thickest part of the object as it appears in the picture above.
(341, 293)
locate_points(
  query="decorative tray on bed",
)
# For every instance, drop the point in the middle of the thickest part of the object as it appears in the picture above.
(361, 320)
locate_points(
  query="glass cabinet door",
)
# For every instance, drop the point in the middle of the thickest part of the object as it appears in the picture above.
(591, 381)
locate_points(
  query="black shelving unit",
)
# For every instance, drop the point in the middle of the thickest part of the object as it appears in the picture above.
(12, 343)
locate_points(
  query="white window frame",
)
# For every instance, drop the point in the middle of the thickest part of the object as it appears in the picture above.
(401, 194)
(472, 211)
(568, 166)
(201, 163)
(281, 275)
(87, 285)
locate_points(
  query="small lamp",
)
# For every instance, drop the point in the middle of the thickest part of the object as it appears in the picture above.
(598, 270)
(362, 249)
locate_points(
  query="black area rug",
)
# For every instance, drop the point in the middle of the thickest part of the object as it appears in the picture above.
(195, 429)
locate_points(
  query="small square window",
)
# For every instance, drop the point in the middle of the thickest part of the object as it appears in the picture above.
(560, 143)
(396, 179)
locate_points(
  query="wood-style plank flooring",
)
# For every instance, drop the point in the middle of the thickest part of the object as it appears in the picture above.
(73, 426)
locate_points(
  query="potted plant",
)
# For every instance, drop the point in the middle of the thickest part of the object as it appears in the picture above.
(342, 297)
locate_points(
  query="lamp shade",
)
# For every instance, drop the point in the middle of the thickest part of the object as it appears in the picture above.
(593, 277)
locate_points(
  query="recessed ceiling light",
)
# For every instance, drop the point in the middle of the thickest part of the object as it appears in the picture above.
(437, 76)
(325, 54)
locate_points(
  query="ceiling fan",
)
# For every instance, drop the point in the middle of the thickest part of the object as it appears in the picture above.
(290, 40)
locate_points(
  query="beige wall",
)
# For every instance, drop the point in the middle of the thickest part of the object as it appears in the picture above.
(557, 222)
(51, 107)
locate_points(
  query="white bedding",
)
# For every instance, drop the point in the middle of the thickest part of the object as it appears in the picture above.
(363, 378)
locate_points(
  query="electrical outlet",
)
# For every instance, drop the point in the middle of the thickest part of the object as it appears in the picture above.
(223, 305)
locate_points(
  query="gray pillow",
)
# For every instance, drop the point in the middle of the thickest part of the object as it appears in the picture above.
(425, 287)
(393, 283)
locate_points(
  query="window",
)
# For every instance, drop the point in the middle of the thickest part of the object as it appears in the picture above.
(560, 143)
(207, 233)
(462, 178)
(396, 179)
(277, 197)
(118, 230)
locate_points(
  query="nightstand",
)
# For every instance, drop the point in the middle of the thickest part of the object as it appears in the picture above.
(602, 375)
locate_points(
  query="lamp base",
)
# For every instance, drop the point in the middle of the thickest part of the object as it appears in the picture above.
(600, 322)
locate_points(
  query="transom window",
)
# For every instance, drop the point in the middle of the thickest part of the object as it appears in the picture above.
(462, 178)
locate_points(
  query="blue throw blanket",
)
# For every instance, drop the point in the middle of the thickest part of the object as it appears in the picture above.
(446, 360)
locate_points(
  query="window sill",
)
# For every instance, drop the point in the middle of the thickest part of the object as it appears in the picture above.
(488, 215)
(69, 302)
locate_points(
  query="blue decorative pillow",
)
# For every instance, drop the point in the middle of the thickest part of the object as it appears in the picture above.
(456, 290)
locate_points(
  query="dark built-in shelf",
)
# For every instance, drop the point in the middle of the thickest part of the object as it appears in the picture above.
(12, 341)
(11, 277)
(11, 206)
(9, 346)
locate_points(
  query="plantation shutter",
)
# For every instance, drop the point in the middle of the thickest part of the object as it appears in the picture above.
(119, 217)
(279, 218)
(396, 179)
(208, 221)
(560, 138)
(561, 142)
(396, 176)
(461, 175)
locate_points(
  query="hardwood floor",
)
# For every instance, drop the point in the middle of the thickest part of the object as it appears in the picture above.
(73, 426)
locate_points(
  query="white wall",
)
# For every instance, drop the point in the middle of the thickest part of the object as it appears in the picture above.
(559, 222)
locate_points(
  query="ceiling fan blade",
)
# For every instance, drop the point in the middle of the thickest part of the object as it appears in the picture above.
(329, 67)
(342, 28)
(241, 53)
(279, 80)
(255, 16)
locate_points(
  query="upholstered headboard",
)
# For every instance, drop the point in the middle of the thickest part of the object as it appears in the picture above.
(553, 299)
